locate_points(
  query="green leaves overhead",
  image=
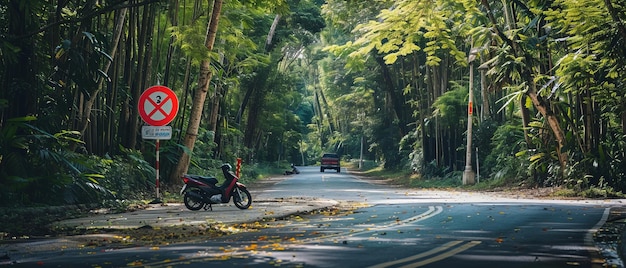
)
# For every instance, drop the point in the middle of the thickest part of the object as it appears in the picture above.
(435, 27)
(596, 56)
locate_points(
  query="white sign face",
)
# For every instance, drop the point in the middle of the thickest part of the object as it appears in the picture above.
(156, 133)
(158, 105)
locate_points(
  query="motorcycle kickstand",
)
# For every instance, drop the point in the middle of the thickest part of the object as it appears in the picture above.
(208, 206)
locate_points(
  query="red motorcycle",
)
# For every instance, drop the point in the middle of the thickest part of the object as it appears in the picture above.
(202, 192)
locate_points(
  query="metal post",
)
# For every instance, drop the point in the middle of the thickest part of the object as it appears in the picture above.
(468, 174)
(477, 167)
(361, 155)
(238, 169)
(158, 194)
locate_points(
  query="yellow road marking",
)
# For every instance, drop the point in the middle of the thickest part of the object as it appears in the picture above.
(445, 247)
(418, 256)
(431, 212)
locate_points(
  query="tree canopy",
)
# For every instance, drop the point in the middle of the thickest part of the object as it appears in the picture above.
(285, 81)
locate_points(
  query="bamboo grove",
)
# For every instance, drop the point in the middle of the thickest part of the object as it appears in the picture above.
(278, 82)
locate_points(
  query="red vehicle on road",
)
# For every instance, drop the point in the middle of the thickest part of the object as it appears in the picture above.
(330, 161)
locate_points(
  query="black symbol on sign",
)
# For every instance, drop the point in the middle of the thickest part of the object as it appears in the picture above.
(158, 105)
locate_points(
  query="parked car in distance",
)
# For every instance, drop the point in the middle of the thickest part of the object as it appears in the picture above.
(330, 161)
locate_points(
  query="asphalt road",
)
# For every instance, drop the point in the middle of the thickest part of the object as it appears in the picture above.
(391, 227)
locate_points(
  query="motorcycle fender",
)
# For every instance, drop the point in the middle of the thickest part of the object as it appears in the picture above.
(182, 191)
(241, 185)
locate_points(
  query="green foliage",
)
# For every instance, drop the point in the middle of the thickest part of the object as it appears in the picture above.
(317, 87)
(128, 176)
(583, 188)
(80, 62)
(410, 26)
(503, 162)
(416, 154)
(593, 68)
(451, 107)
(432, 170)
(36, 167)
(483, 141)
(448, 180)
(387, 146)
(203, 153)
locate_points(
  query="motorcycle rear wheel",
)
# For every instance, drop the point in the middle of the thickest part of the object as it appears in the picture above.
(191, 201)
(242, 198)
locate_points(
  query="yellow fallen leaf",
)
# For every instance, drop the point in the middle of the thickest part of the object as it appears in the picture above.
(278, 247)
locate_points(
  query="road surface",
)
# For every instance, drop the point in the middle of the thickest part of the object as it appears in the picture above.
(390, 227)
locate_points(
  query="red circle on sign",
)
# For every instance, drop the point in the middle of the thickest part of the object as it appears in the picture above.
(158, 105)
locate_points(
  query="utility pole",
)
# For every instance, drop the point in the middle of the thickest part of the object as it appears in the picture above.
(468, 174)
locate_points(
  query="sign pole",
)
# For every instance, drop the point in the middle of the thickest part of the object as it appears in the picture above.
(158, 194)
(238, 170)
(157, 106)
(157, 183)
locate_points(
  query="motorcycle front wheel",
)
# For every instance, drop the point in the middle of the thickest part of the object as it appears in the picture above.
(242, 198)
(191, 200)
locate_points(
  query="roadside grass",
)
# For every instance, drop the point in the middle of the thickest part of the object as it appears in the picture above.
(413, 180)
(592, 192)
(454, 181)
(408, 178)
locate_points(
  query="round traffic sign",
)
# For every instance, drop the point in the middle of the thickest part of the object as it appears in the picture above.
(158, 105)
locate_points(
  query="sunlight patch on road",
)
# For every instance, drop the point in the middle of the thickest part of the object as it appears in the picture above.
(431, 212)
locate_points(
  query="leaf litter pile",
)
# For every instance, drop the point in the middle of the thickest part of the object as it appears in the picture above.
(154, 237)
(158, 236)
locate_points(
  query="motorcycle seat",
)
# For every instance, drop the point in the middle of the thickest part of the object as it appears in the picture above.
(206, 179)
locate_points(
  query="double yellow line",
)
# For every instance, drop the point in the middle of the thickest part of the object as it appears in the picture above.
(427, 257)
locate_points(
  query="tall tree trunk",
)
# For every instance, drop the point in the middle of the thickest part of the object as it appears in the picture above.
(553, 122)
(525, 120)
(117, 33)
(215, 101)
(186, 86)
(542, 105)
(320, 115)
(19, 81)
(250, 89)
(329, 112)
(204, 80)
(270, 35)
(173, 15)
(254, 112)
(244, 103)
(394, 99)
(484, 93)
(143, 69)
(623, 117)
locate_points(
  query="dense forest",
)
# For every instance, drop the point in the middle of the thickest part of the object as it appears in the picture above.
(519, 92)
